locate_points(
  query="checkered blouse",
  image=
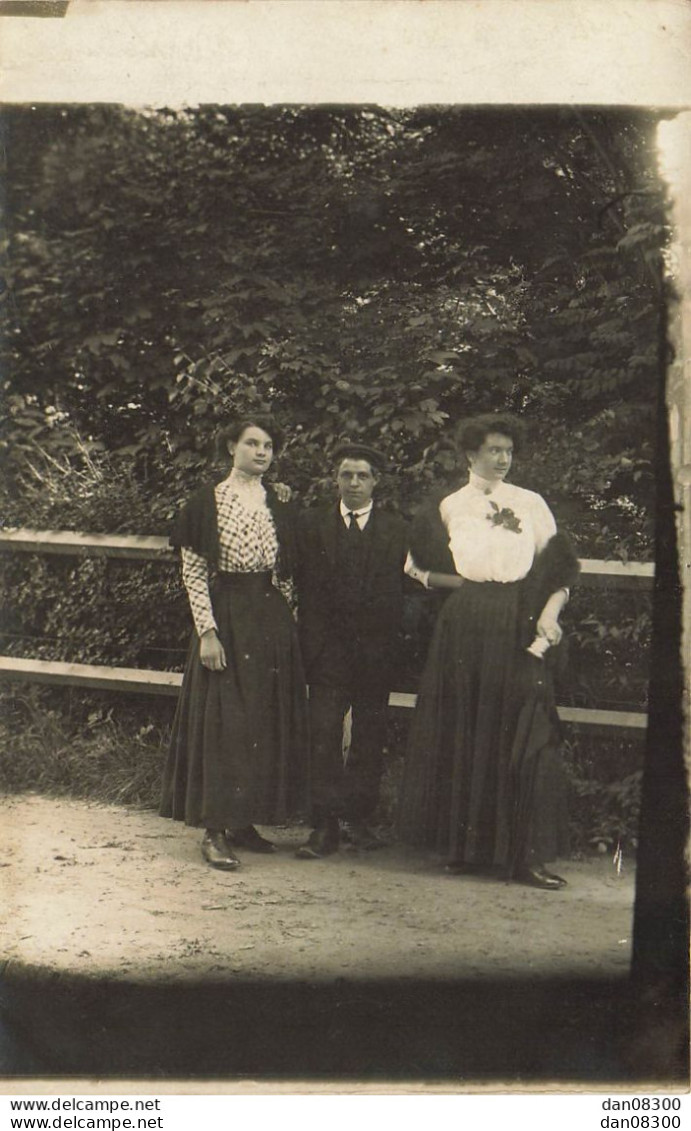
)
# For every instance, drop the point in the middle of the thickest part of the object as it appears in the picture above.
(247, 539)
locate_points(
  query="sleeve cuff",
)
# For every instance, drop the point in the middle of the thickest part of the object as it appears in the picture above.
(205, 625)
(421, 575)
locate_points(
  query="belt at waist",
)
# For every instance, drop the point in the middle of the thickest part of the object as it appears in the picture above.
(499, 586)
(255, 581)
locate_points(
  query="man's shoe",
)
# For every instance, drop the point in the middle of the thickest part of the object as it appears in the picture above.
(553, 876)
(322, 841)
(362, 836)
(251, 839)
(535, 876)
(217, 852)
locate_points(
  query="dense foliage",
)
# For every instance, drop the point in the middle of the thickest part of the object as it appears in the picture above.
(362, 271)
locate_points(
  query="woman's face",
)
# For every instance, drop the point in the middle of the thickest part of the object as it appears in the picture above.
(493, 458)
(253, 452)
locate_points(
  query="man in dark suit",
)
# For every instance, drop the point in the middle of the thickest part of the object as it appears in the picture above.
(350, 598)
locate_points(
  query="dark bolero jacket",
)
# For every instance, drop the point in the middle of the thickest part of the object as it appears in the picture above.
(556, 567)
(196, 528)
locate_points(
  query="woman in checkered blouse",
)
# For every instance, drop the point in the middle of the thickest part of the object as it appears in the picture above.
(238, 752)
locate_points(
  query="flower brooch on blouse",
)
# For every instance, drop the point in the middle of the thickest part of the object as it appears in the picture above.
(504, 517)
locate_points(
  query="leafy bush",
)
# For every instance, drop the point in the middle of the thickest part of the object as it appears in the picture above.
(93, 610)
(366, 271)
(92, 745)
(609, 643)
(605, 792)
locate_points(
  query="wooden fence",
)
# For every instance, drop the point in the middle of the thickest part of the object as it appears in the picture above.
(594, 573)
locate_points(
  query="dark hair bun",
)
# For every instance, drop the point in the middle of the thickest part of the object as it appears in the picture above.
(235, 429)
(472, 433)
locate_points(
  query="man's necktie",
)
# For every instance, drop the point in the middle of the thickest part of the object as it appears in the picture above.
(353, 526)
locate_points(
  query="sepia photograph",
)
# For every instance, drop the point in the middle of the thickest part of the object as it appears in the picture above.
(345, 518)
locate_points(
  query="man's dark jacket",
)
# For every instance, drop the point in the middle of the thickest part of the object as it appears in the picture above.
(329, 623)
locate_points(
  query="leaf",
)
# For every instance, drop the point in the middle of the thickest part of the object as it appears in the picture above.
(95, 342)
(442, 356)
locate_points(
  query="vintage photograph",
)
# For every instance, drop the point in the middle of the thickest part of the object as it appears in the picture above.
(340, 597)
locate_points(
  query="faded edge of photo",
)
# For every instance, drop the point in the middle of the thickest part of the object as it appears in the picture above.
(394, 52)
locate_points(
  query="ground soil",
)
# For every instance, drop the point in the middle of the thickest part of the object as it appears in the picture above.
(120, 893)
(125, 956)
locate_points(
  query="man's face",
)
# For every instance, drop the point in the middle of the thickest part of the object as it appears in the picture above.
(356, 482)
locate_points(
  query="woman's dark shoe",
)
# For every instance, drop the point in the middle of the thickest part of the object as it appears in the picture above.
(536, 877)
(322, 841)
(251, 839)
(217, 852)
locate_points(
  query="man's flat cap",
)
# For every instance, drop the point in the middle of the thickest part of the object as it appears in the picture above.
(352, 449)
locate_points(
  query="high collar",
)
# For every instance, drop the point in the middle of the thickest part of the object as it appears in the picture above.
(484, 486)
(358, 513)
(243, 481)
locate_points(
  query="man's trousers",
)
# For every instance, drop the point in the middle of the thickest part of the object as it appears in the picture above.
(350, 791)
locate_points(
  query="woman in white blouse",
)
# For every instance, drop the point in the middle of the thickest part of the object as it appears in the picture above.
(482, 781)
(238, 753)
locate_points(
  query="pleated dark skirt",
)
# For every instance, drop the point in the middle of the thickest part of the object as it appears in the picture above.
(483, 782)
(239, 746)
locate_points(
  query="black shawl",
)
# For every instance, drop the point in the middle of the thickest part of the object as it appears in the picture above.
(196, 528)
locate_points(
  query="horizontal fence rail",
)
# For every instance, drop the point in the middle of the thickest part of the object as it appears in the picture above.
(152, 547)
(105, 678)
(137, 547)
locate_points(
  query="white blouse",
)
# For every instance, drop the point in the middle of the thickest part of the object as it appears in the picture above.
(247, 542)
(495, 531)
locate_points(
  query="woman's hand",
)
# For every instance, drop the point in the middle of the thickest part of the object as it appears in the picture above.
(548, 622)
(211, 652)
(549, 628)
(284, 493)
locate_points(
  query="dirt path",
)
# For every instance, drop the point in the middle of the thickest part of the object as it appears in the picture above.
(104, 891)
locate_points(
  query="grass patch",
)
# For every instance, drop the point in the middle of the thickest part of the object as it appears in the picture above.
(89, 751)
(111, 747)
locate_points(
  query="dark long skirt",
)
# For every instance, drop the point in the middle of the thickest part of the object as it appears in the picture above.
(483, 781)
(239, 746)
